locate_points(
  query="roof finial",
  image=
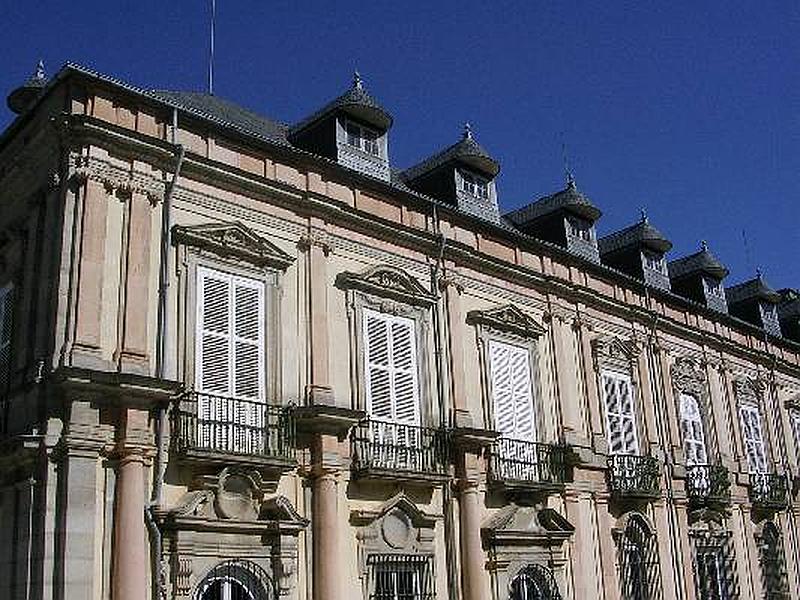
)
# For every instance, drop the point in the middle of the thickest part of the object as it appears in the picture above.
(39, 73)
(467, 131)
(567, 170)
(357, 83)
(643, 213)
(703, 246)
(570, 180)
(758, 273)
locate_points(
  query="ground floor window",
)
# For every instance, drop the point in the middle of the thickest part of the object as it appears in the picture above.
(638, 561)
(534, 582)
(400, 577)
(714, 566)
(773, 565)
(235, 580)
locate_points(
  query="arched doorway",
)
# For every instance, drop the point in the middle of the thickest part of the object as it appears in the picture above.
(534, 582)
(235, 580)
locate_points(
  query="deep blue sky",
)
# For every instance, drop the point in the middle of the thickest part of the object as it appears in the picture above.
(691, 109)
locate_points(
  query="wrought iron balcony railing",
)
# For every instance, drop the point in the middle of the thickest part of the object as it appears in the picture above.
(631, 476)
(207, 424)
(395, 449)
(708, 484)
(530, 464)
(768, 490)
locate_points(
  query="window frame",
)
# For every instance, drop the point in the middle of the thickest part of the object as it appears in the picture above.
(471, 183)
(530, 350)
(700, 420)
(620, 375)
(190, 259)
(362, 138)
(424, 580)
(754, 408)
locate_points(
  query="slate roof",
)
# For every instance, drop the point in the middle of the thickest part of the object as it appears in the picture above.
(466, 151)
(357, 102)
(569, 199)
(218, 109)
(756, 288)
(699, 262)
(637, 235)
(789, 307)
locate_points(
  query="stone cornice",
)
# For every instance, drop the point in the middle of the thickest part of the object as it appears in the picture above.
(463, 254)
(116, 178)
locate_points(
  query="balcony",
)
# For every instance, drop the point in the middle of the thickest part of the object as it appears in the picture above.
(522, 464)
(210, 428)
(633, 477)
(397, 451)
(708, 485)
(768, 491)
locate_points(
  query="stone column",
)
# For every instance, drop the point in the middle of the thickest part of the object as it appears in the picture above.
(456, 343)
(130, 555)
(325, 530)
(318, 389)
(471, 550)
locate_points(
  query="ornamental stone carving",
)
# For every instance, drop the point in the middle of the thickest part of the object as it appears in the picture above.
(233, 239)
(509, 319)
(385, 280)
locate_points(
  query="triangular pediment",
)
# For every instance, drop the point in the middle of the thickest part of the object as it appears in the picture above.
(234, 239)
(399, 502)
(509, 319)
(389, 281)
(527, 525)
(612, 347)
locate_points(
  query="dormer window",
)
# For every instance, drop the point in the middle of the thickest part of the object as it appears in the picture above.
(363, 138)
(474, 185)
(655, 262)
(580, 228)
(713, 287)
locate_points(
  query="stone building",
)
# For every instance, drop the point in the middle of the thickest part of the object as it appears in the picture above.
(241, 359)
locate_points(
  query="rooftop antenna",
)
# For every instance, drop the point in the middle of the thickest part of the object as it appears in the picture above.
(211, 48)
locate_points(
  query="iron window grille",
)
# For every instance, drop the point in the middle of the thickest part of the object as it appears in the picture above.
(534, 582)
(773, 564)
(400, 577)
(638, 561)
(527, 462)
(708, 484)
(714, 565)
(633, 476)
(236, 580)
(396, 447)
(768, 490)
(221, 424)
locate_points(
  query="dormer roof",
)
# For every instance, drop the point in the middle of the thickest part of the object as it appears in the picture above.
(699, 262)
(641, 235)
(23, 96)
(355, 102)
(569, 200)
(753, 289)
(466, 151)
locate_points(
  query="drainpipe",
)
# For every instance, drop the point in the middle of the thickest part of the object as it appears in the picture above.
(156, 542)
(447, 492)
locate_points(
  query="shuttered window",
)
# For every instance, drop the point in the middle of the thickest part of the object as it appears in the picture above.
(620, 413)
(6, 314)
(230, 335)
(391, 368)
(753, 437)
(794, 418)
(512, 390)
(694, 443)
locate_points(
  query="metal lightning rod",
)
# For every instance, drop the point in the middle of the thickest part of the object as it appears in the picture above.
(211, 49)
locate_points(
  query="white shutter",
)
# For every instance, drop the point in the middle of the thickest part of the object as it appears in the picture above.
(692, 428)
(512, 390)
(230, 361)
(753, 438)
(620, 413)
(794, 417)
(391, 368)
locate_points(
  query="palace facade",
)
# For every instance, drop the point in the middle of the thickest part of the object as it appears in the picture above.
(243, 359)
